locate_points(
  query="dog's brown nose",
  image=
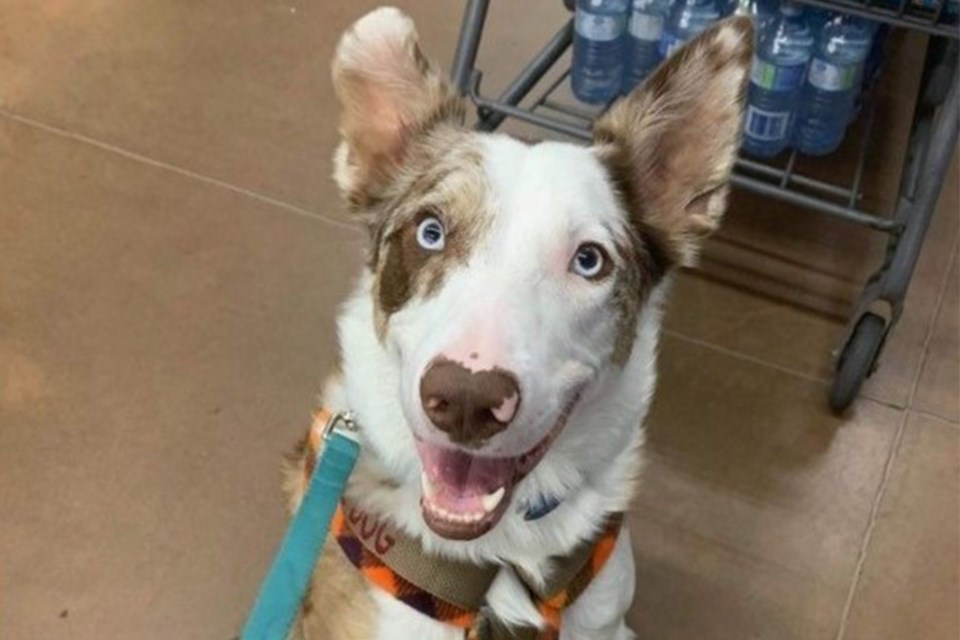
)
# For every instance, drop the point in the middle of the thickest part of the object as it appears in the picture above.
(470, 406)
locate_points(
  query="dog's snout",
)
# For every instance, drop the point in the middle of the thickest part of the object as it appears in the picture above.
(470, 406)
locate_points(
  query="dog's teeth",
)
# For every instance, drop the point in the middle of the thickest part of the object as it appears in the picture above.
(429, 489)
(488, 503)
(491, 500)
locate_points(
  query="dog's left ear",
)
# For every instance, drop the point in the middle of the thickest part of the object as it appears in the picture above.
(390, 94)
(671, 144)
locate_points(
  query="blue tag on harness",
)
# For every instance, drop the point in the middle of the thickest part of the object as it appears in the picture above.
(544, 505)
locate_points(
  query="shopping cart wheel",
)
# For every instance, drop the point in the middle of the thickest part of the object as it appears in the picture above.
(857, 361)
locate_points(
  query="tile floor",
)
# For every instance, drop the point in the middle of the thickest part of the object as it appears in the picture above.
(172, 256)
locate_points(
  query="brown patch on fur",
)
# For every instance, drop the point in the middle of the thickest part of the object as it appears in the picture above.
(402, 263)
(671, 144)
(647, 255)
(652, 250)
(442, 177)
(642, 271)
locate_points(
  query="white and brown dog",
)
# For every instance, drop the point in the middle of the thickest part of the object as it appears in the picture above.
(499, 350)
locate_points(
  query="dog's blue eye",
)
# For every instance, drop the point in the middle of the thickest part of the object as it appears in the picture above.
(430, 234)
(590, 261)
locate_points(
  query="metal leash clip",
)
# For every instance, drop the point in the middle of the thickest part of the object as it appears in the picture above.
(343, 424)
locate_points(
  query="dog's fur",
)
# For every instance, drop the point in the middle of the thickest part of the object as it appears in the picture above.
(653, 184)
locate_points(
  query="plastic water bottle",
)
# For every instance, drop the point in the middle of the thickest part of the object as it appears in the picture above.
(687, 19)
(643, 42)
(598, 49)
(776, 79)
(830, 91)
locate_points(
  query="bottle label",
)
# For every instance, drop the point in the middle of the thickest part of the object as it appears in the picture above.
(766, 125)
(668, 44)
(599, 28)
(774, 77)
(644, 26)
(831, 77)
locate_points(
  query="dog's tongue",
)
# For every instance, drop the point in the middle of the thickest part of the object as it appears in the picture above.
(455, 476)
(463, 495)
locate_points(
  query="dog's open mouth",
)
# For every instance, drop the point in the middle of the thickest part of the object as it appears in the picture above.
(465, 493)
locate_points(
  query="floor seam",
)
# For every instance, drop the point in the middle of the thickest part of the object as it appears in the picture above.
(739, 355)
(187, 173)
(926, 413)
(892, 457)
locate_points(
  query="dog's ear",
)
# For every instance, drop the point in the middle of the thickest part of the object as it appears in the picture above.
(671, 144)
(389, 94)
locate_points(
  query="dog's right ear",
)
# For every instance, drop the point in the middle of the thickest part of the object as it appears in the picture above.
(389, 94)
(671, 144)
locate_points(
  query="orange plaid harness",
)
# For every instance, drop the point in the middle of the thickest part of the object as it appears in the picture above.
(452, 591)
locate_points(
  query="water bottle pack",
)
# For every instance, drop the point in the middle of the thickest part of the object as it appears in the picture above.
(780, 64)
(600, 28)
(647, 20)
(808, 71)
(687, 19)
(770, 110)
(829, 98)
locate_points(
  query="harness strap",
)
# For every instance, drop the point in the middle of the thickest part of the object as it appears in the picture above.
(447, 590)
(454, 592)
(572, 574)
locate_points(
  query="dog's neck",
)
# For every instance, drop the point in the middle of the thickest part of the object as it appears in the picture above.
(591, 468)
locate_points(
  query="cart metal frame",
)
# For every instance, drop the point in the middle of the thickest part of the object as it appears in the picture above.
(932, 141)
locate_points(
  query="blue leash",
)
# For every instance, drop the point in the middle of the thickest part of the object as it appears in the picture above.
(282, 590)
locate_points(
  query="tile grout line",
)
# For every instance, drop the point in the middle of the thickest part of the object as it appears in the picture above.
(744, 357)
(936, 416)
(891, 459)
(739, 355)
(166, 166)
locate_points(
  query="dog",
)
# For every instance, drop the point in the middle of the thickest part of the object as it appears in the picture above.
(499, 350)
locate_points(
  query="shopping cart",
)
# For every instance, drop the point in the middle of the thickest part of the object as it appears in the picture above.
(932, 140)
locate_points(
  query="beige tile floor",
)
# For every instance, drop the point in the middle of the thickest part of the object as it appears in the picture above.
(172, 256)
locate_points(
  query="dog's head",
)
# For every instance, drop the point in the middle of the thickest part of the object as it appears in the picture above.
(509, 278)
